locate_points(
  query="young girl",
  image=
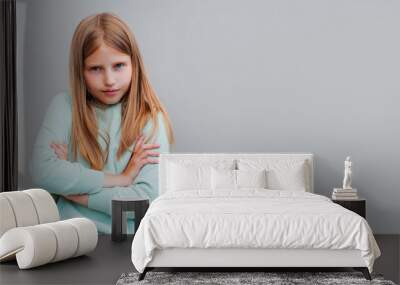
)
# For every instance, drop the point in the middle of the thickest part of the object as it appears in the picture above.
(102, 139)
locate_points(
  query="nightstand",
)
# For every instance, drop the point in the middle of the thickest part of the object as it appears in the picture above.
(358, 206)
(119, 208)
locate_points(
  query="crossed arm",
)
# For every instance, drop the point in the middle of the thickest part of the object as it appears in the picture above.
(76, 180)
(141, 155)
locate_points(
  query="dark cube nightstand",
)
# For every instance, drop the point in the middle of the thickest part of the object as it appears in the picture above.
(358, 206)
(119, 218)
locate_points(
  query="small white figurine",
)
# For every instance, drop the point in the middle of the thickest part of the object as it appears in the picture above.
(347, 174)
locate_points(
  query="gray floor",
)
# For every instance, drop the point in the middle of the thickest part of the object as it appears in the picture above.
(110, 260)
(389, 262)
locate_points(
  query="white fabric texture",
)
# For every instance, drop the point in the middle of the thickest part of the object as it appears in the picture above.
(183, 176)
(24, 211)
(51, 242)
(67, 237)
(46, 208)
(26, 208)
(237, 179)
(281, 174)
(87, 233)
(188, 177)
(251, 178)
(31, 232)
(187, 174)
(223, 179)
(250, 218)
(229, 161)
(7, 220)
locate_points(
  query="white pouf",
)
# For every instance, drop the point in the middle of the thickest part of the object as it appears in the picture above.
(31, 232)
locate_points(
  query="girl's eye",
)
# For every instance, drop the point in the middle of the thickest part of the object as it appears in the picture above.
(95, 68)
(119, 65)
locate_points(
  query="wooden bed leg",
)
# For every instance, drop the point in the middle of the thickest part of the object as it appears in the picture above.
(364, 271)
(142, 275)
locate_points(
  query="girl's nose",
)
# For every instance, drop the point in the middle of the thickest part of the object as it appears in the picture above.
(109, 78)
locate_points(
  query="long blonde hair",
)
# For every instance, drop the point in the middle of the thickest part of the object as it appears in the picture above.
(138, 106)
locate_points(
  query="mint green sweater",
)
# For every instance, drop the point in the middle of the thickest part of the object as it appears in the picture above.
(63, 177)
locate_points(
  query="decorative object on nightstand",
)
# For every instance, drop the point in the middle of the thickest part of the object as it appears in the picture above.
(347, 192)
(358, 205)
(119, 219)
(347, 173)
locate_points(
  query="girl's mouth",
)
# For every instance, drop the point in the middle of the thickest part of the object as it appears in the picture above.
(111, 92)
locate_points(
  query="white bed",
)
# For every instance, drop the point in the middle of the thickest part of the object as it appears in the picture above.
(198, 226)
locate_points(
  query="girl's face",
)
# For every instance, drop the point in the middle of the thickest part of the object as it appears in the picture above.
(107, 74)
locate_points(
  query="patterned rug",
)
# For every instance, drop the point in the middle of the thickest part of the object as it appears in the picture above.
(270, 278)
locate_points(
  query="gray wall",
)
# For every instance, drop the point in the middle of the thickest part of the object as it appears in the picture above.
(254, 76)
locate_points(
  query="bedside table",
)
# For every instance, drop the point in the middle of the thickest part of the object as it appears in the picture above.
(119, 208)
(358, 206)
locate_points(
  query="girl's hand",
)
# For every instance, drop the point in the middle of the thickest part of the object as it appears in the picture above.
(61, 150)
(79, 199)
(141, 155)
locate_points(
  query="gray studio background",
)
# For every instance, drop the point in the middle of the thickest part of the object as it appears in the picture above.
(249, 76)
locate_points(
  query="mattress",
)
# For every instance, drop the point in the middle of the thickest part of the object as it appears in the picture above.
(251, 219)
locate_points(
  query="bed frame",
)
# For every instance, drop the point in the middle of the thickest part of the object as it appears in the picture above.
(243, 259)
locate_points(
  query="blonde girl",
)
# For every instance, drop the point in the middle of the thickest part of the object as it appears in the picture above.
(102, 139)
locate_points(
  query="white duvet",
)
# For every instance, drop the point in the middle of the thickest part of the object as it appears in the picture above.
(250, 218)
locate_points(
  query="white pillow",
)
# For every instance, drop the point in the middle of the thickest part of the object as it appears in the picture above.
(236, 179)
(184, 177)
(223, 179)
(281, 174)
(251, 178)
(189, 174)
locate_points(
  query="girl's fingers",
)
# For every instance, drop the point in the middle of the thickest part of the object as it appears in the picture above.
(59, 155)
(145, 154)
(141, 154)
(61, 148)
(151, 146)
(138, 144)
(145, 160)
(150, 160)
(152, 153)
(56, 146)
(143, 151)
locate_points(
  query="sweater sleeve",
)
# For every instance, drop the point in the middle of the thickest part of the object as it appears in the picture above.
(145, 184)
(55, 175)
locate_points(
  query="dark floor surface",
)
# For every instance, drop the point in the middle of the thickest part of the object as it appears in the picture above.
(111, 259)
